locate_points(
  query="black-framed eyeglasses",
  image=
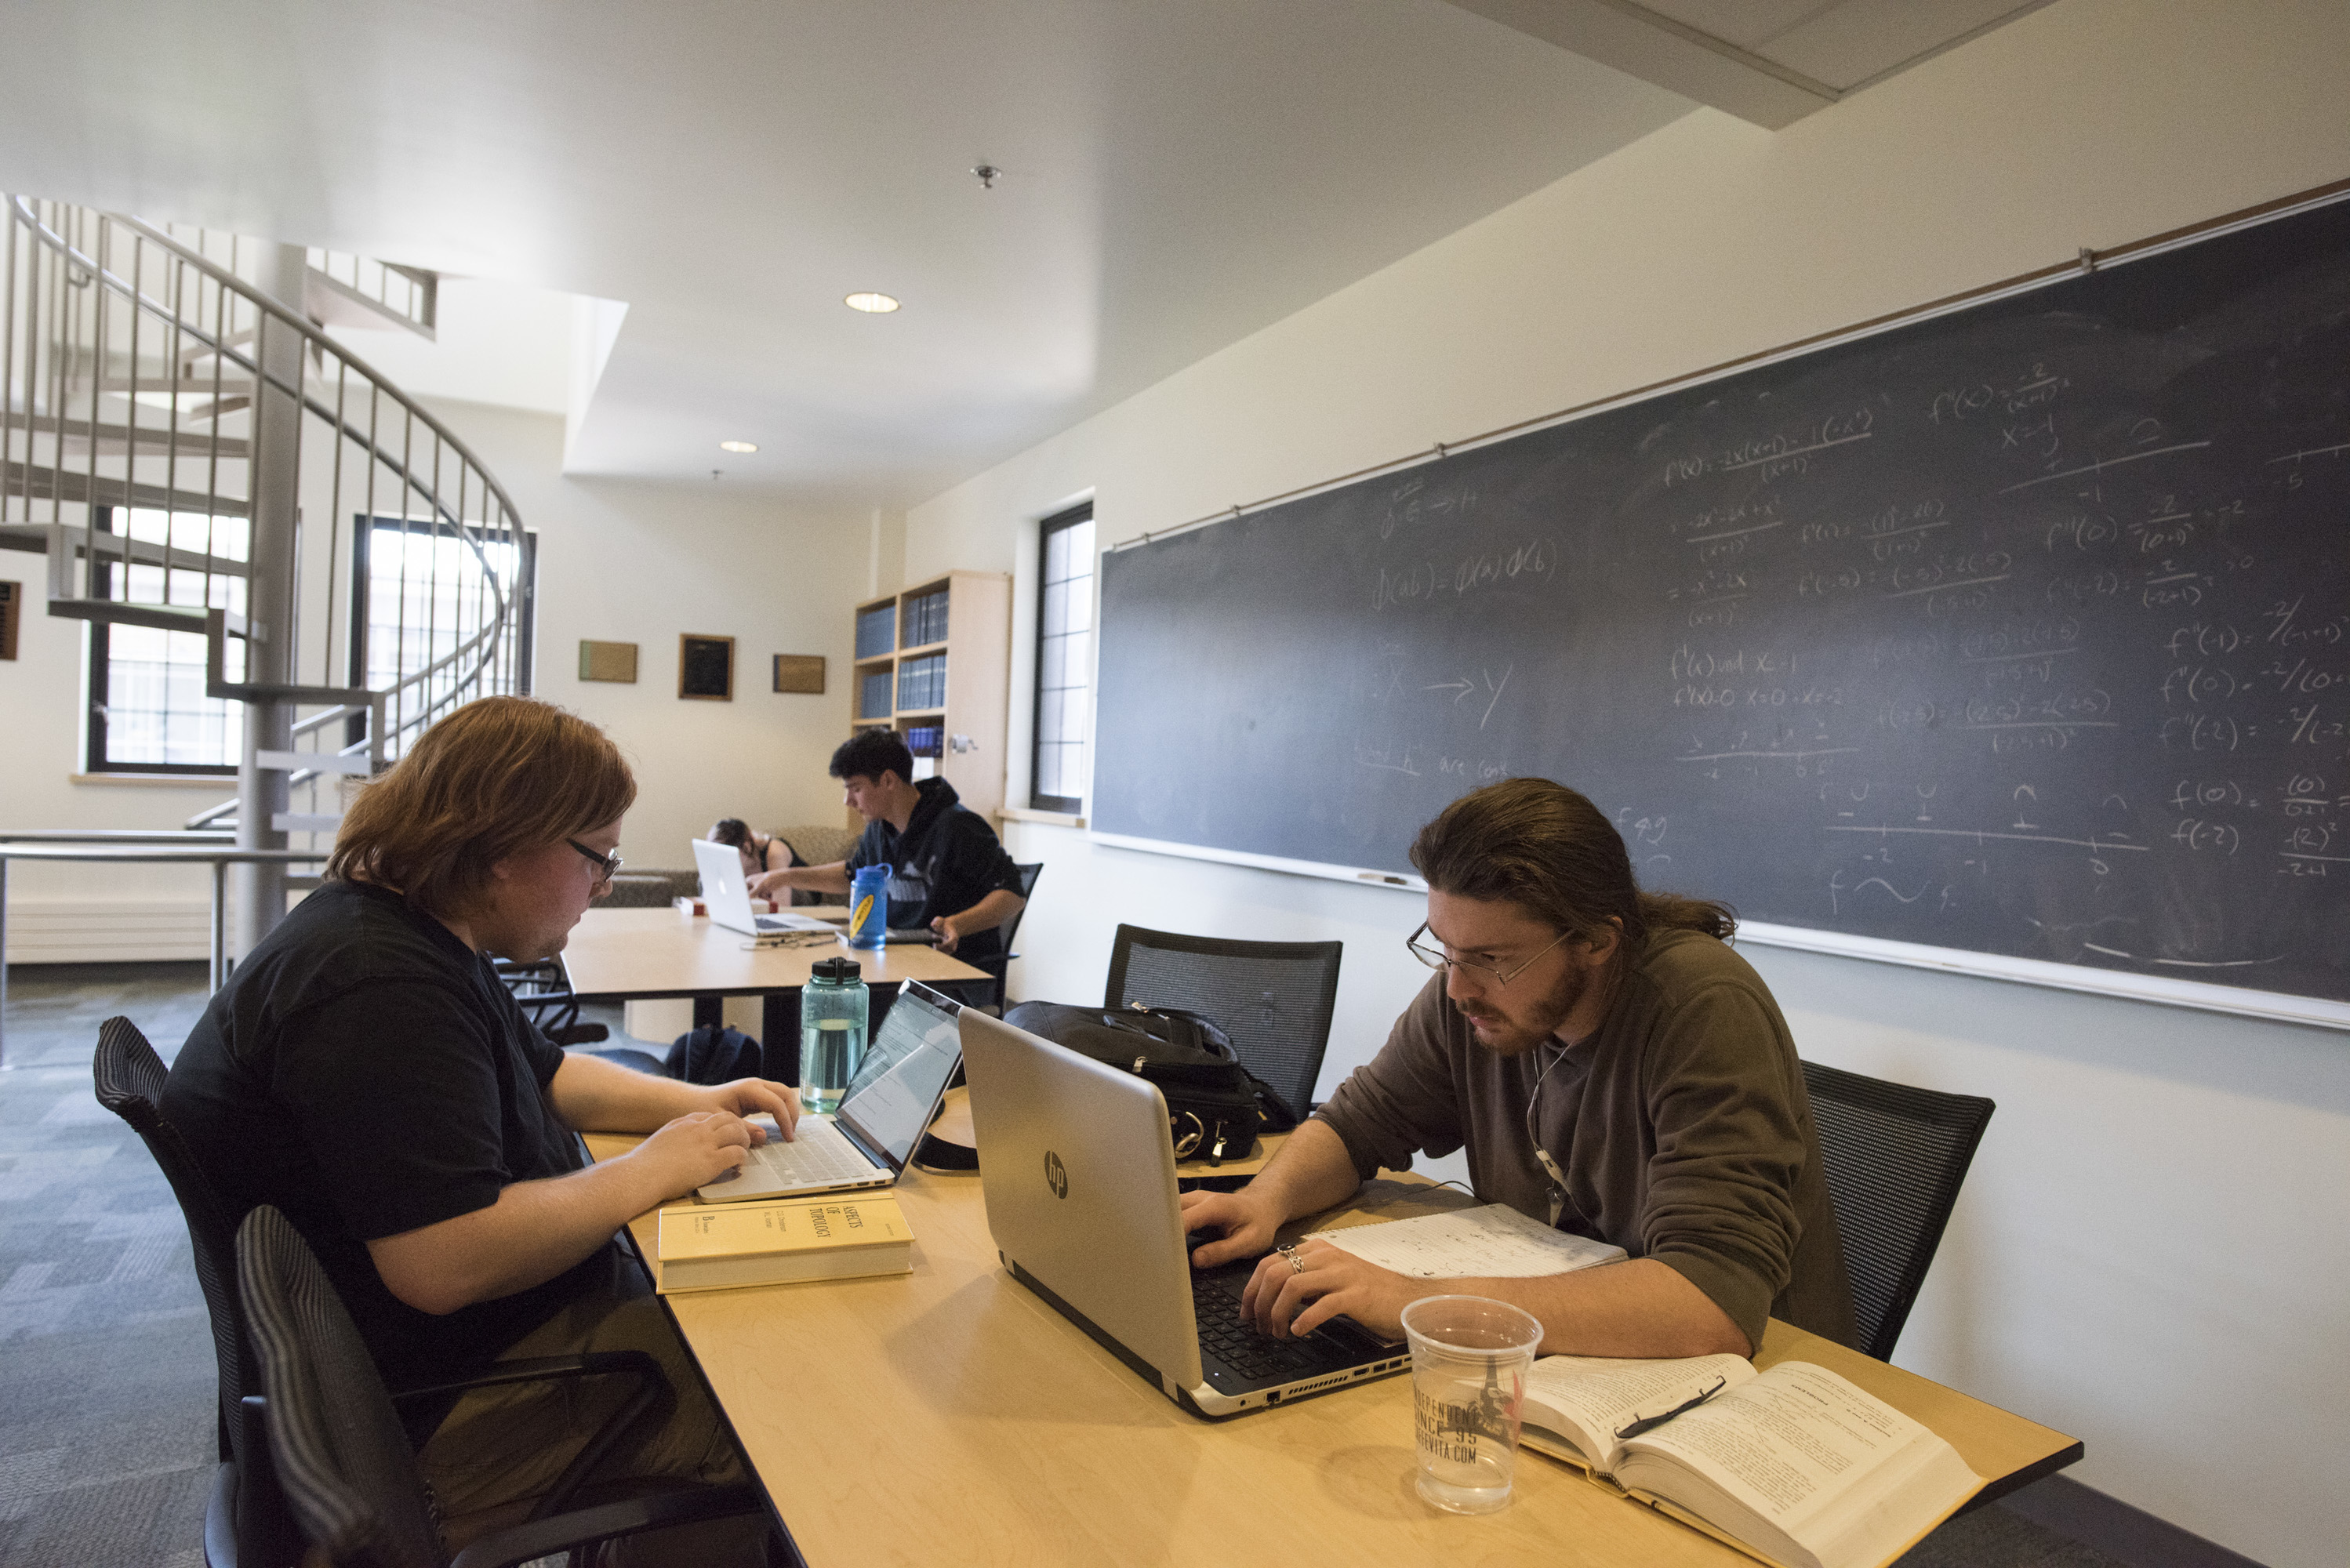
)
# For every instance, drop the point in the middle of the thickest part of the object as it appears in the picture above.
(606, 865)
(1435, 958)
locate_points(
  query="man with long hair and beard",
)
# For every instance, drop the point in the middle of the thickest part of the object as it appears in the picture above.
(1611, 1068)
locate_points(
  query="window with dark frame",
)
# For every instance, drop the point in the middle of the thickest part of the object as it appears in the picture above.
(147, 710)
(1065, 647)
(412, 586)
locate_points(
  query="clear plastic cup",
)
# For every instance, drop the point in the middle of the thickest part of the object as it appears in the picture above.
(1469, 1357)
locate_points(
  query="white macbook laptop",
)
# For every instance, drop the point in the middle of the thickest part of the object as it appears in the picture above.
(1080, 1177)
(888, 1105)
(726, 893)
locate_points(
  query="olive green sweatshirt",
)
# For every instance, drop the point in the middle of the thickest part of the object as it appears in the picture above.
(1682, 1125)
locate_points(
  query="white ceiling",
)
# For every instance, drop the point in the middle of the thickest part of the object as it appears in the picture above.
(1175, 175)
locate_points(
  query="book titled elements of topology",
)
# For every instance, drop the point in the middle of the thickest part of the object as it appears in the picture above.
(1794, 1466)
(716, 1248)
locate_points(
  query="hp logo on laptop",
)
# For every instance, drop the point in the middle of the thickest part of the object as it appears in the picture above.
(1057, 1175)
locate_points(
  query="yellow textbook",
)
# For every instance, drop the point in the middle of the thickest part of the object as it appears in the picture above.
(718, 1246)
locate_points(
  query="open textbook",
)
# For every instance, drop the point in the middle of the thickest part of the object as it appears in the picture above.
(1795, 1465)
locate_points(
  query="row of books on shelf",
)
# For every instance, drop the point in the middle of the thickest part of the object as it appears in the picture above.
(925, 621)
(873, 695)
(875, 628)
(926, 740)
(923, 683)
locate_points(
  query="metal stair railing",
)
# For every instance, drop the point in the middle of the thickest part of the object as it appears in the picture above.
(169, 426)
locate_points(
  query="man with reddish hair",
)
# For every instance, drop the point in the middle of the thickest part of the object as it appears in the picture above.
(365, 1072)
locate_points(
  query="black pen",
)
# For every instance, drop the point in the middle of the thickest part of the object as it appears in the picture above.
(1650, 1422)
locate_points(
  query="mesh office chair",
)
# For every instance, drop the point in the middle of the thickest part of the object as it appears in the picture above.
(244, 1519)
(1029, 871)
(1275, 999)
(543, 990)
(1896, 1157)
(343, 1460)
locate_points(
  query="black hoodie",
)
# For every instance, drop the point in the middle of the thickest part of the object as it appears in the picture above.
(947, 860)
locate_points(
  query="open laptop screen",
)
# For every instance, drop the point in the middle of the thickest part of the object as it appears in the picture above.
(889, 1103)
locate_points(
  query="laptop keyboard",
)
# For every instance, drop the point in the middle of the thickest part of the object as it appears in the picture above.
(1216, 1305)
(820, 1153)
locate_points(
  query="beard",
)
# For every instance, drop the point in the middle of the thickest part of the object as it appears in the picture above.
(1514, 1033)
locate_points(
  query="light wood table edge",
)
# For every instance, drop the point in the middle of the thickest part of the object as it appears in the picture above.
(2007, 1450)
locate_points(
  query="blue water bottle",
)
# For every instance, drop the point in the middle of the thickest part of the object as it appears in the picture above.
(832, 1032)
(868, 906)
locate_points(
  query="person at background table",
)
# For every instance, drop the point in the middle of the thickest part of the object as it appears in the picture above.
(366, 1071)
(1612, 1068)
(949, 874)
(761, 852)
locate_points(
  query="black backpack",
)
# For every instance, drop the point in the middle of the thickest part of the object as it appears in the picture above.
(712, 1054)
(1215, 1106)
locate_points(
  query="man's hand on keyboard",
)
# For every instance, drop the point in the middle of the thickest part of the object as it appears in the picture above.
(1296, 1292)
(1244, 1224)
(749, 1096)
(696, 1148)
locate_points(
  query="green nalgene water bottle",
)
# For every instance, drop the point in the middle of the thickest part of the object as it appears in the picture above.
(832, 1032)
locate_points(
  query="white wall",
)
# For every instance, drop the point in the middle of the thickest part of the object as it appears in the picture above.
(2151, 1252)
(506, 344)
(66, 913)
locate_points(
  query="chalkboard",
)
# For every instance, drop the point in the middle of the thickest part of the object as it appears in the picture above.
(2023, 629)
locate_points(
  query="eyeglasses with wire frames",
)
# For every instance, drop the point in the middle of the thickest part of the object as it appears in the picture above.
(606, 865)
(1435, 958)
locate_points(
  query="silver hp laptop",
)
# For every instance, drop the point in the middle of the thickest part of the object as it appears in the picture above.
(1080, 1177)
(888, 1105)
(727, 895)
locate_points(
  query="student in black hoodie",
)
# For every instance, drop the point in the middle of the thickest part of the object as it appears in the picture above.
(948, 874)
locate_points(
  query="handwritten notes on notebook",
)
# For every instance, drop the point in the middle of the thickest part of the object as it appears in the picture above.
(1493, 1242)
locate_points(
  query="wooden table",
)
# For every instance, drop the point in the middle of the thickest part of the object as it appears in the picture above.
(633, 955)
(950, 1416)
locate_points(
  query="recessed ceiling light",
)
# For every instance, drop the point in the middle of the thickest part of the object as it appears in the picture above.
(872, 304)
(738, 446)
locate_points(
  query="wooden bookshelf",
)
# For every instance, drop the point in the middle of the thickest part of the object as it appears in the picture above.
(946, 671)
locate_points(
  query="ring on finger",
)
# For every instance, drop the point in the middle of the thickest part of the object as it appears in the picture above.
(1289, 1251)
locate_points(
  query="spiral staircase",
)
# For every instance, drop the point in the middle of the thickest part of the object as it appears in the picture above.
(192, 452)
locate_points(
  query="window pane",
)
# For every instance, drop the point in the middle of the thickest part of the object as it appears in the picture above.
(1063, 660)
(156, 710)
(430, 593)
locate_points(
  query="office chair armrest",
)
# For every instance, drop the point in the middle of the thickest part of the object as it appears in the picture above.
(651, 1385)
(543, 1368)
(660, 1510)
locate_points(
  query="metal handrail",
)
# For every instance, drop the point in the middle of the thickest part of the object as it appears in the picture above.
(117, 836)
(219, 859)
(312, 335)
(412, 466)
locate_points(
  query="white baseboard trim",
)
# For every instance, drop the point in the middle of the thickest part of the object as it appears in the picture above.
(108, 931)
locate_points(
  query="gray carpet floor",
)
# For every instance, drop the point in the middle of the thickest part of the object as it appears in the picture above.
(106, 1380)
(107, 1377)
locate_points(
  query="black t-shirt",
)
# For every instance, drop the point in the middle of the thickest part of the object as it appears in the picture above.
(365, 1072)
(947, 860)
